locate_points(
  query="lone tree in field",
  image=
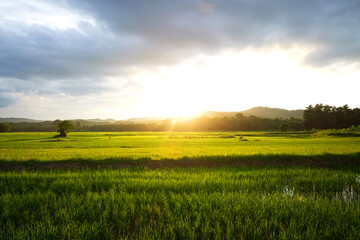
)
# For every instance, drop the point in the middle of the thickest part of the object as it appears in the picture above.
(65, 127)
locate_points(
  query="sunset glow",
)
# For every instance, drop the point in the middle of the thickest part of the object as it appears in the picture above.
(79, 59)
(234, 81)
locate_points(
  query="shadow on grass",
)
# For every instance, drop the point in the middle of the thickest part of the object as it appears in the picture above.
(340, 161)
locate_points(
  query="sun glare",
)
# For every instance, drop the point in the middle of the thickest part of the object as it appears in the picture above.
(230, 81)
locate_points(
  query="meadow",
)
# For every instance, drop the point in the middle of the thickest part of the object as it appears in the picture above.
(169, 145)
(245, 185)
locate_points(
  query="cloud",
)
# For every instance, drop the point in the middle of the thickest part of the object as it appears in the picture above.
(7, 100)
(329, 25)
(108, 37)
(82, 47)
(206, 7)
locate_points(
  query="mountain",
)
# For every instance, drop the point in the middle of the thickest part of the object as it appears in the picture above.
(215, 114)
(266, 112)
(18, 120)
(145, 119)
(98, 120)
(263, 112)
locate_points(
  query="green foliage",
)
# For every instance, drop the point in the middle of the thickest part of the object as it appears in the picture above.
(6, 127)
(227, 203)
(284, 127)
(330, 117)
(65, 127)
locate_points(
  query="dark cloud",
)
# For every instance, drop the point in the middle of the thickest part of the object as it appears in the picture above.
(147, 34)
(328, 24)
(40, 52)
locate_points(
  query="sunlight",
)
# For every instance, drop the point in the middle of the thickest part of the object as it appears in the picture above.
(239, 80)
(230, 81)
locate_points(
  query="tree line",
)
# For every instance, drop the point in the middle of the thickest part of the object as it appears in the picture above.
(236, 123)
(314, 117)
(330, 117)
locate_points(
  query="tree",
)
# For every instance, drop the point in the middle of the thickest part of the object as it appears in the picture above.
(284, 127)
(328, 117)
(6, 127)
(65, 127)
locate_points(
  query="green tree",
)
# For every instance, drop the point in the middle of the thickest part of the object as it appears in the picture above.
(6, 127)
(65, 127)
(284, 127)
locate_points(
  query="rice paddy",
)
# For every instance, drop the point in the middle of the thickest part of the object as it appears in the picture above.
(146, 186)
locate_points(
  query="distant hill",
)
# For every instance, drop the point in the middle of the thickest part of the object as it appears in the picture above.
(19, 120)
(145, 119)
(215, 114)
(263, 112)
(266, 112)
(97, 120)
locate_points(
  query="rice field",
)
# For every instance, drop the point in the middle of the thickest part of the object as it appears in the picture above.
(139, 201)
(164, 145)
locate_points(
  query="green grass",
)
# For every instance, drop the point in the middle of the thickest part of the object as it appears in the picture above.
(225, 203)
(175, 186)
(98, 146)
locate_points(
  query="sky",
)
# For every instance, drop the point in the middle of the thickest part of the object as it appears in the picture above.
(69, 59)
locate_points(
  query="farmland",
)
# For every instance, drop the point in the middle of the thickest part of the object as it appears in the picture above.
(225, 185)
(165, 145)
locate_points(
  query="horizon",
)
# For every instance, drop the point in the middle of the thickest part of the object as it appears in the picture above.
(86, 60)
(141, 117)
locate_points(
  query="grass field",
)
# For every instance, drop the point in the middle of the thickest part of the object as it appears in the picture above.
(156, 146)
(179, 186)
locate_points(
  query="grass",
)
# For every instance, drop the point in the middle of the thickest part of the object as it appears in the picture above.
(99, 146)
(179, 186)
(222, 203)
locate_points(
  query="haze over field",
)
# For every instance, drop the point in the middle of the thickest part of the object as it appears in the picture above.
(123, 59)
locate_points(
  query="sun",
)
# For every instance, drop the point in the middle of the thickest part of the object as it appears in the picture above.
(172, 99)
(230, 81)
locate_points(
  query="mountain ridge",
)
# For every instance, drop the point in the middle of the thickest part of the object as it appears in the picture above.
(262, 112)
